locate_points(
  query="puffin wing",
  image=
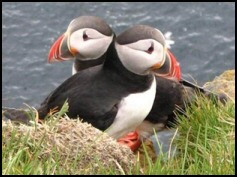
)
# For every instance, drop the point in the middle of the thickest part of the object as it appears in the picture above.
(90, 96)
(168, 95)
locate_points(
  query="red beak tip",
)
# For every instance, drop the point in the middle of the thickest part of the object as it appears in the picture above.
(54, 53)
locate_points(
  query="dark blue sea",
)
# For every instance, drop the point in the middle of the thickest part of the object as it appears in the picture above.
(204, 35)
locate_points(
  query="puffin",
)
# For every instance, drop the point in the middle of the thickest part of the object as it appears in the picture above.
(85, 41)
(117, 96)
(127, 57)
(170, 94)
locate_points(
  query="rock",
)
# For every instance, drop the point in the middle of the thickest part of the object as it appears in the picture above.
(225, 83)
(161, 143)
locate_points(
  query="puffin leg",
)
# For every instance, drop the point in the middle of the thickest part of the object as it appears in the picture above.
(132, 140)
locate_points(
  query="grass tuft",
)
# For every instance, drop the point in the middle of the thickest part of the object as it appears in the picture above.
(206, 140)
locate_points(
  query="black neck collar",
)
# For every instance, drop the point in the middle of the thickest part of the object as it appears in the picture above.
(114, 65)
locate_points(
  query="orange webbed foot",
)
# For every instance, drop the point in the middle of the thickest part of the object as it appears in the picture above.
(131, 140)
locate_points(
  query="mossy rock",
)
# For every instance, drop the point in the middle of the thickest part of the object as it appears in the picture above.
(225, 83)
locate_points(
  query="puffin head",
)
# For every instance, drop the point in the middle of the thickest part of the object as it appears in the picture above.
(141, 49)
(86, 38)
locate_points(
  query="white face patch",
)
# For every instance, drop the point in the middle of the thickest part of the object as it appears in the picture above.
(132, 110)
(140, 56)
(89, 43)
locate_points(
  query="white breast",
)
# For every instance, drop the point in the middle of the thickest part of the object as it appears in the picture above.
(132, 110)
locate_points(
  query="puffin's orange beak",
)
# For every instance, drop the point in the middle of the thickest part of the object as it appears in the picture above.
(54, 53)
(60, 50)
(176, 68)
(170, 69)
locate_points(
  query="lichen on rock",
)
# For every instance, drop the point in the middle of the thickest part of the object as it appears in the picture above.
(225, 83)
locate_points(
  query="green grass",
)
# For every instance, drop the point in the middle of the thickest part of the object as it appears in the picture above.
(206, 144)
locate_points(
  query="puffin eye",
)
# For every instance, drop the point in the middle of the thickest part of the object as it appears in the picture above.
(150, 49)
(85, 36)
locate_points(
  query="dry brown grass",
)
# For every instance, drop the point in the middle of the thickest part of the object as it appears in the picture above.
(75, 140)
